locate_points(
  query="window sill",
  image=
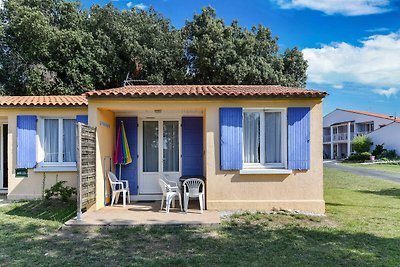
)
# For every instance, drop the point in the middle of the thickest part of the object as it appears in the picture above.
(266, 171)
(55, 169)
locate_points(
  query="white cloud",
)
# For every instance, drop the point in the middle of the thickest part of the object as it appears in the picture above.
(337, 86)
(343, 7)
(387, 92)
(382, 29)
(376, 62)
(141, 6)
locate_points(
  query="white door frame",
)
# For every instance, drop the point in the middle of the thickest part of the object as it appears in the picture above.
(2, 156)
(151, 196)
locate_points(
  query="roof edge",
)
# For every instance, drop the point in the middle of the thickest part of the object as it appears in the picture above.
(371, 114)
(206, 91)
(120, 96)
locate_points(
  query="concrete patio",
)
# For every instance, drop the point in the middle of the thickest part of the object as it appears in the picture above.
(146, 213)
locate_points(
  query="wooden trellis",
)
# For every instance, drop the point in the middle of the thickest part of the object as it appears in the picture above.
(86, 166)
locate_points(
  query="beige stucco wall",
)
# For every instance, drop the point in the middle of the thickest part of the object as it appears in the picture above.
(32, 186)
(227, 190)
(231, 190)
(104, 121)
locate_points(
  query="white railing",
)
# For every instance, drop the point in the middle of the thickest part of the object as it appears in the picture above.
(362, 133)
(340, 136)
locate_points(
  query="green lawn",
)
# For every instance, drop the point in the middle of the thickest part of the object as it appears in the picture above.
(362, 227)
(378, 167)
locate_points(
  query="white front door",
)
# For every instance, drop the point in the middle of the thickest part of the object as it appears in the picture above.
(159, 153)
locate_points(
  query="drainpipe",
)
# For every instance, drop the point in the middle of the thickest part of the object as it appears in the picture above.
(331, 142)
(348, 139)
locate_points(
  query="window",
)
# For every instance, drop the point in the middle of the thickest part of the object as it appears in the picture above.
(264, 138)
(369, 127)
(58, 142)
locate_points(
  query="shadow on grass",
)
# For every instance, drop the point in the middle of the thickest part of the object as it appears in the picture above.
(52, 210)
(227, 245)
(393, 192)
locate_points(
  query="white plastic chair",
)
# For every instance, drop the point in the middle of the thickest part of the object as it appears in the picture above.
(169, 193)
(118, 186)
(193, 188)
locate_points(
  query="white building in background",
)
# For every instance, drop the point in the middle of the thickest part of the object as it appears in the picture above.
(388, 135)
(341, 126)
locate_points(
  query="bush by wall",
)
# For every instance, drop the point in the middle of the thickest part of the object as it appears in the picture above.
(361, 157)
(60, 191)
(361, 144)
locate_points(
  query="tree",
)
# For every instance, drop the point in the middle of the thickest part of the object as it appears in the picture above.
(361, 143)
(294, 68)
(220, 54)
(44, 50)
(132, 38)
(52, 47)
(55, 47)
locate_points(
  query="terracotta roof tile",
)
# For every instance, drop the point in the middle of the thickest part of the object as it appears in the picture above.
(59, 100)
(207, 91)
(367, 113)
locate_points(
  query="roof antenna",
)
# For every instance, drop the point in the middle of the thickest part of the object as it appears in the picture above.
(136, 73)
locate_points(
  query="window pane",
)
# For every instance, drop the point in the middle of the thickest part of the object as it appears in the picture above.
(69, 144)
(170, 146)
(273, 137)
(150, 146)
(251, 137)
(50, 140)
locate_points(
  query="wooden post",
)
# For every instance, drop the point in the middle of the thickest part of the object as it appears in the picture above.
(79, 170)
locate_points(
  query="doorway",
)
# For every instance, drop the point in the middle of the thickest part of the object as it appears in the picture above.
(159, 154)
(3, 156)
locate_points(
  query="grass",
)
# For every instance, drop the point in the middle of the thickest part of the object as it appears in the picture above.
(362, 227)
(379, 167)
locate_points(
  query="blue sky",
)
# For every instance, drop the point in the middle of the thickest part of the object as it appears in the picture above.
(353, 47)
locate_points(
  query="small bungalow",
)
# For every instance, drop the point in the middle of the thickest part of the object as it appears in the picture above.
(258, 147)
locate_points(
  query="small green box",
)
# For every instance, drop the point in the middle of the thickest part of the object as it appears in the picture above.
(21, 172)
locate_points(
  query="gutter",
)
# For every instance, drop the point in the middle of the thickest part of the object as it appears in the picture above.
(40, 106)
(203, 97)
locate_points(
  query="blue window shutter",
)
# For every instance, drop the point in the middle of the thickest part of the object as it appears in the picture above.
(231, 138)
(130, 172)
(26, 141)
(82, 119)
(192, 145)
(299, 138)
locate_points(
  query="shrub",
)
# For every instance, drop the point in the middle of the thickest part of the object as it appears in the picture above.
(361, 157)
(365, 156)
(379, 149)
(389, 154)
(60, 191)
(361, 144)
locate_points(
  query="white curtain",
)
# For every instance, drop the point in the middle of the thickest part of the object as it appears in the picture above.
(150, 146)
(69, 147)
(251, 136)
(273, 139)
(170, 146)
(51, 140)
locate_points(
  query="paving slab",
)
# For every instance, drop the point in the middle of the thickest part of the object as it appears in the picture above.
(144, 214)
